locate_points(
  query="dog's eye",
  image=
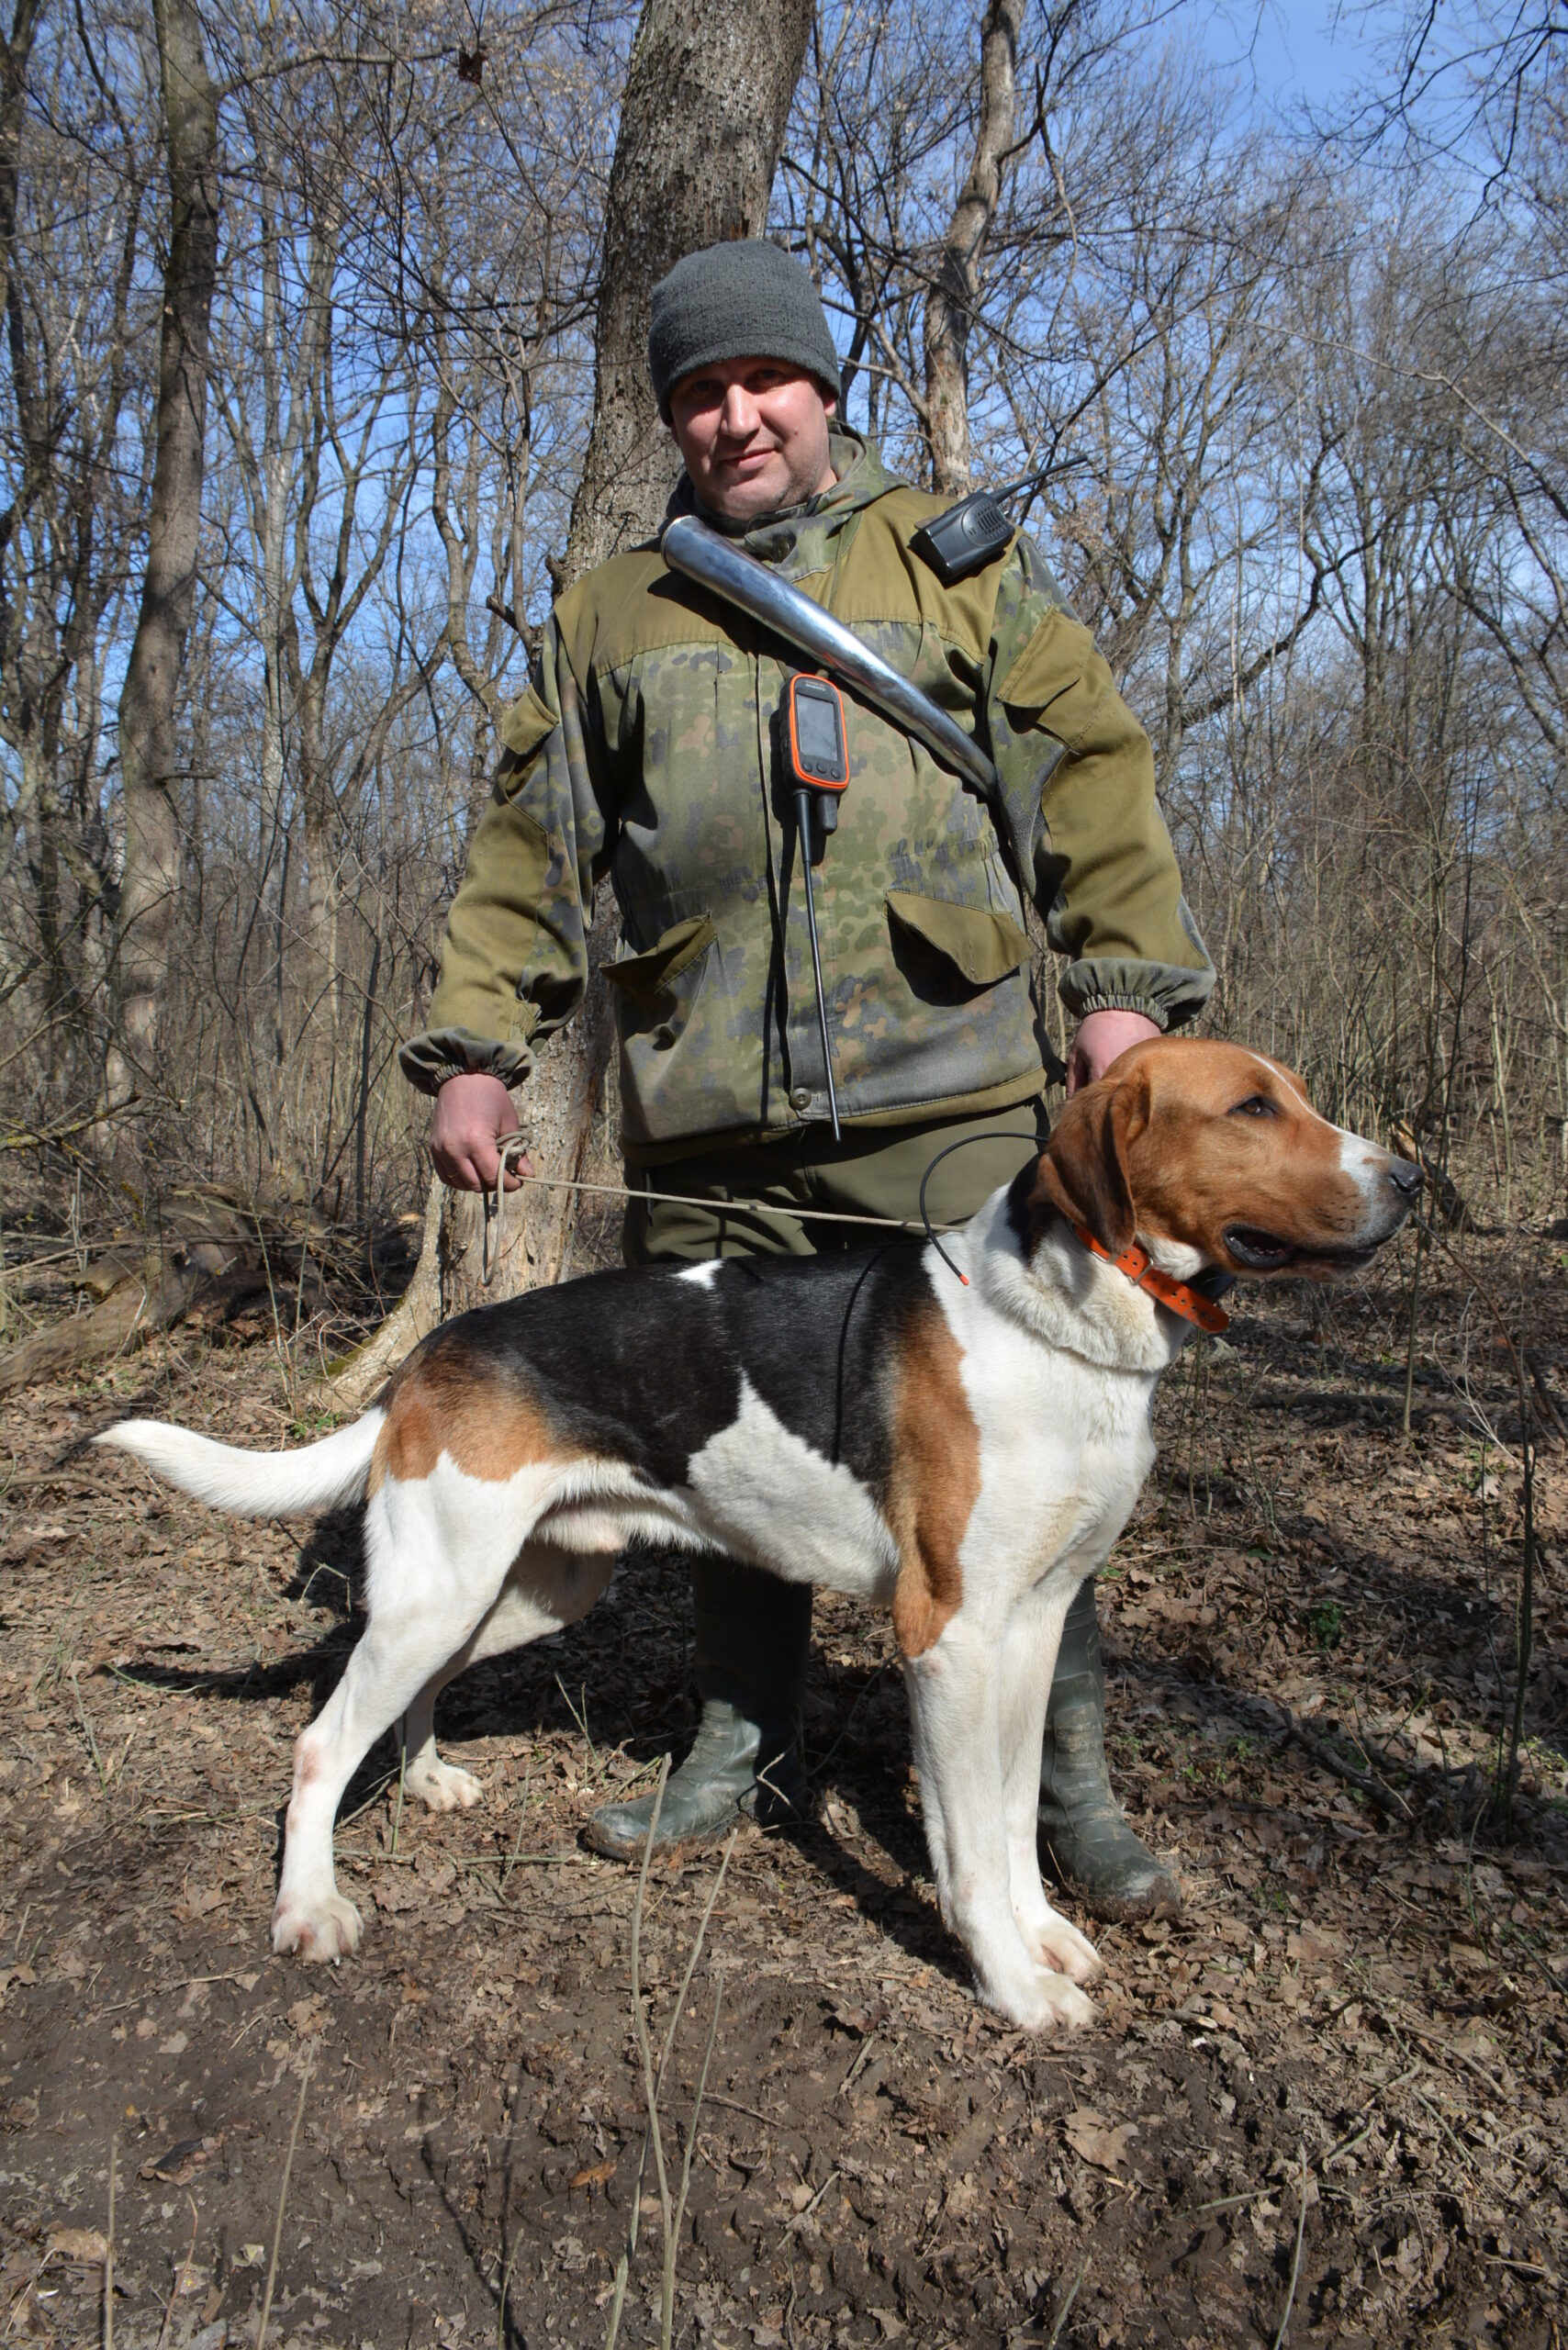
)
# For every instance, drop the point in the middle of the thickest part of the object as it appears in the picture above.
(1257, 1105)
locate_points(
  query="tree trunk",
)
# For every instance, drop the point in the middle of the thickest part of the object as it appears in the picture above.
(702, 124)
(954, 294)
(148, 701)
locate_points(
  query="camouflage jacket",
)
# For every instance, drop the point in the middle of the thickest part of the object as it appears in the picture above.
(646, 751)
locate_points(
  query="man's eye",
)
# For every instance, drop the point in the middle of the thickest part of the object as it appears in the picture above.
(1257, 1105)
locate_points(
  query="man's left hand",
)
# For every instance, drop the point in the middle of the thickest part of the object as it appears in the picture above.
(1101, 1038)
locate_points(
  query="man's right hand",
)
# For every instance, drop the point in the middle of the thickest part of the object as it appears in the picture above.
(472, 1114)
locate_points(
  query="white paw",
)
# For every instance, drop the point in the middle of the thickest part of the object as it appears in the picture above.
(1062, 1948)
(445, 1788)
(327, 1928)
(1046, 2002)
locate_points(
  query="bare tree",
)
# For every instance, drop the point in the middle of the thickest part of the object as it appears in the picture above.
(702, 124)
(951, 304)
(148, 707)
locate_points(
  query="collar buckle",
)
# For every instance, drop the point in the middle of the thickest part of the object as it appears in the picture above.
(1177, 1297)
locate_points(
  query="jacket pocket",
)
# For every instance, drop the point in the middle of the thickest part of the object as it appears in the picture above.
(527, 724)
(984, 947)
(645, 974)
(1058, 681)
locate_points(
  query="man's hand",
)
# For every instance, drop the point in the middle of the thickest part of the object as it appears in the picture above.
(472, 1114)
(1101, 1038)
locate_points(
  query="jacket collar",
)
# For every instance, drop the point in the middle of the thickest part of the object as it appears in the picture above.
(804, 538)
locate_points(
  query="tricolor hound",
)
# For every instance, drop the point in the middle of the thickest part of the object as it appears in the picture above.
(964, 1451)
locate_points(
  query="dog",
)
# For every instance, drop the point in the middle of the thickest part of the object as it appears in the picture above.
(958, 1434)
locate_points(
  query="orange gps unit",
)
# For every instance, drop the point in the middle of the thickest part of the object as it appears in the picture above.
(818, 738)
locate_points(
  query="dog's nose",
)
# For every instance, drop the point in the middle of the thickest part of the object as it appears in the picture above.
(1405, 1177)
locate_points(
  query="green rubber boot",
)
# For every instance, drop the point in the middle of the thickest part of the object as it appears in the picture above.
(1083, 1827)
(753, 1633)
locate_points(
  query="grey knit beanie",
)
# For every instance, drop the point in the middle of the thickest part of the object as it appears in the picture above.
(737, 301)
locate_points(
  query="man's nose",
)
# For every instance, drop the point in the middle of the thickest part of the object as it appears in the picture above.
(737, 417)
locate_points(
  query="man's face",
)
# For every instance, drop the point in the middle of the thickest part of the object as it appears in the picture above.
(754, 435)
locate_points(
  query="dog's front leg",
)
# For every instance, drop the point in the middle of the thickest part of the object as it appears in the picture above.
(1029, 1647)
(955, 1707)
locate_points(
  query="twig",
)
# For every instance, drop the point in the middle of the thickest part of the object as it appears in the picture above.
(1066, 2309)
(696, 1953)
(517, 1841)
(1466, 2158)
(402, 1775)
(182, 2272)
(87, 1734)
(20, 1139)
(283, 2201)
(672, 2234)
(581, 1719)
(108, 2324)
(769, 2121)
(1448, 2047)
(1390, 1806)
(861, 2054)
(1296, 2264)
(802, 2217)
(650, 2091)
(506, 2292)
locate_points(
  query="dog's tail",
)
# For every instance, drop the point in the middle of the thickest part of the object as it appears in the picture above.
(255, 1485)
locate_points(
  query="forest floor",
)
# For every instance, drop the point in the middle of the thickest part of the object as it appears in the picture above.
(1336, 2085)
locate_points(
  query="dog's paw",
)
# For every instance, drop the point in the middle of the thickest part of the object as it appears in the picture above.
(445, 1788)
(1048, 2003)
(327, 1928)
(1062, 1949)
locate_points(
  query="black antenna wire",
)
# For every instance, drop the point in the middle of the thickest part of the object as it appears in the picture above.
(1011, 1135)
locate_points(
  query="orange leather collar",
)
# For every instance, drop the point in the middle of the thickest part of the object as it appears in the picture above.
(1144, 1273)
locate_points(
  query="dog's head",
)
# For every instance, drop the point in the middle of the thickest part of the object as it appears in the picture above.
(1209, 1148)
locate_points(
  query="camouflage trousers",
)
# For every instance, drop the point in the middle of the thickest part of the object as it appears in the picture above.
(873, 1173)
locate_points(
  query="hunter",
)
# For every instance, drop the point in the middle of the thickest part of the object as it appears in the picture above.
(646, 751)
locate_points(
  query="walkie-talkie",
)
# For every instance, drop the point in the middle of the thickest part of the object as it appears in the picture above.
(970, 535)
(816, 750)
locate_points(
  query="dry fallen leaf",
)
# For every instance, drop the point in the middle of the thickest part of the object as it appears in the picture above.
(599, 2175)
(1093, 2138)
(86, 2244)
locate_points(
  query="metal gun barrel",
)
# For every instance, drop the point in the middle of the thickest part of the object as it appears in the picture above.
(701, 554)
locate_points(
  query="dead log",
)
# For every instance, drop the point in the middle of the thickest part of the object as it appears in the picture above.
(132, 1312)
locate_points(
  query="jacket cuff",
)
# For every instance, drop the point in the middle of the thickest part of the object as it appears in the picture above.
(427, 1061)
(1166, 993)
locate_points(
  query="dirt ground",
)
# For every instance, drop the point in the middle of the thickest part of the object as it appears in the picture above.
(1335, 2085)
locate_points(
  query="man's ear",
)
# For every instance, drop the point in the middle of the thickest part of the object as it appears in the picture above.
(1083, 1172)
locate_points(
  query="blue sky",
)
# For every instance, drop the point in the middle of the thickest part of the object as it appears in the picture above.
(1297, 54)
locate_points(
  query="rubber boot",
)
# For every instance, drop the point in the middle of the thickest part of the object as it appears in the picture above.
(753, 1633)
(1083, 1827)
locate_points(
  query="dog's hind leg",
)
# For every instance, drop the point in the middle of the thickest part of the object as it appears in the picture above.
(546, 1590)
(1028, 1662)
(437, 1556)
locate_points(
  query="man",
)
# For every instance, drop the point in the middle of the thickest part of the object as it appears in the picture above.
(648, 749)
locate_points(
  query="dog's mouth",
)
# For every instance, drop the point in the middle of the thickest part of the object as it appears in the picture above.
(1266, 1252)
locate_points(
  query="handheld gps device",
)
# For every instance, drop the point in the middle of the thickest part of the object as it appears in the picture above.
(818, 738)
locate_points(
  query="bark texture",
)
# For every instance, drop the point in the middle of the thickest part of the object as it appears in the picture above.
(954, 294)
(701, 125)
(148, 747)
(702, 120)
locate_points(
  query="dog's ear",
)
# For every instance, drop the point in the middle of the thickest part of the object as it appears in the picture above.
(1083, 1172)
